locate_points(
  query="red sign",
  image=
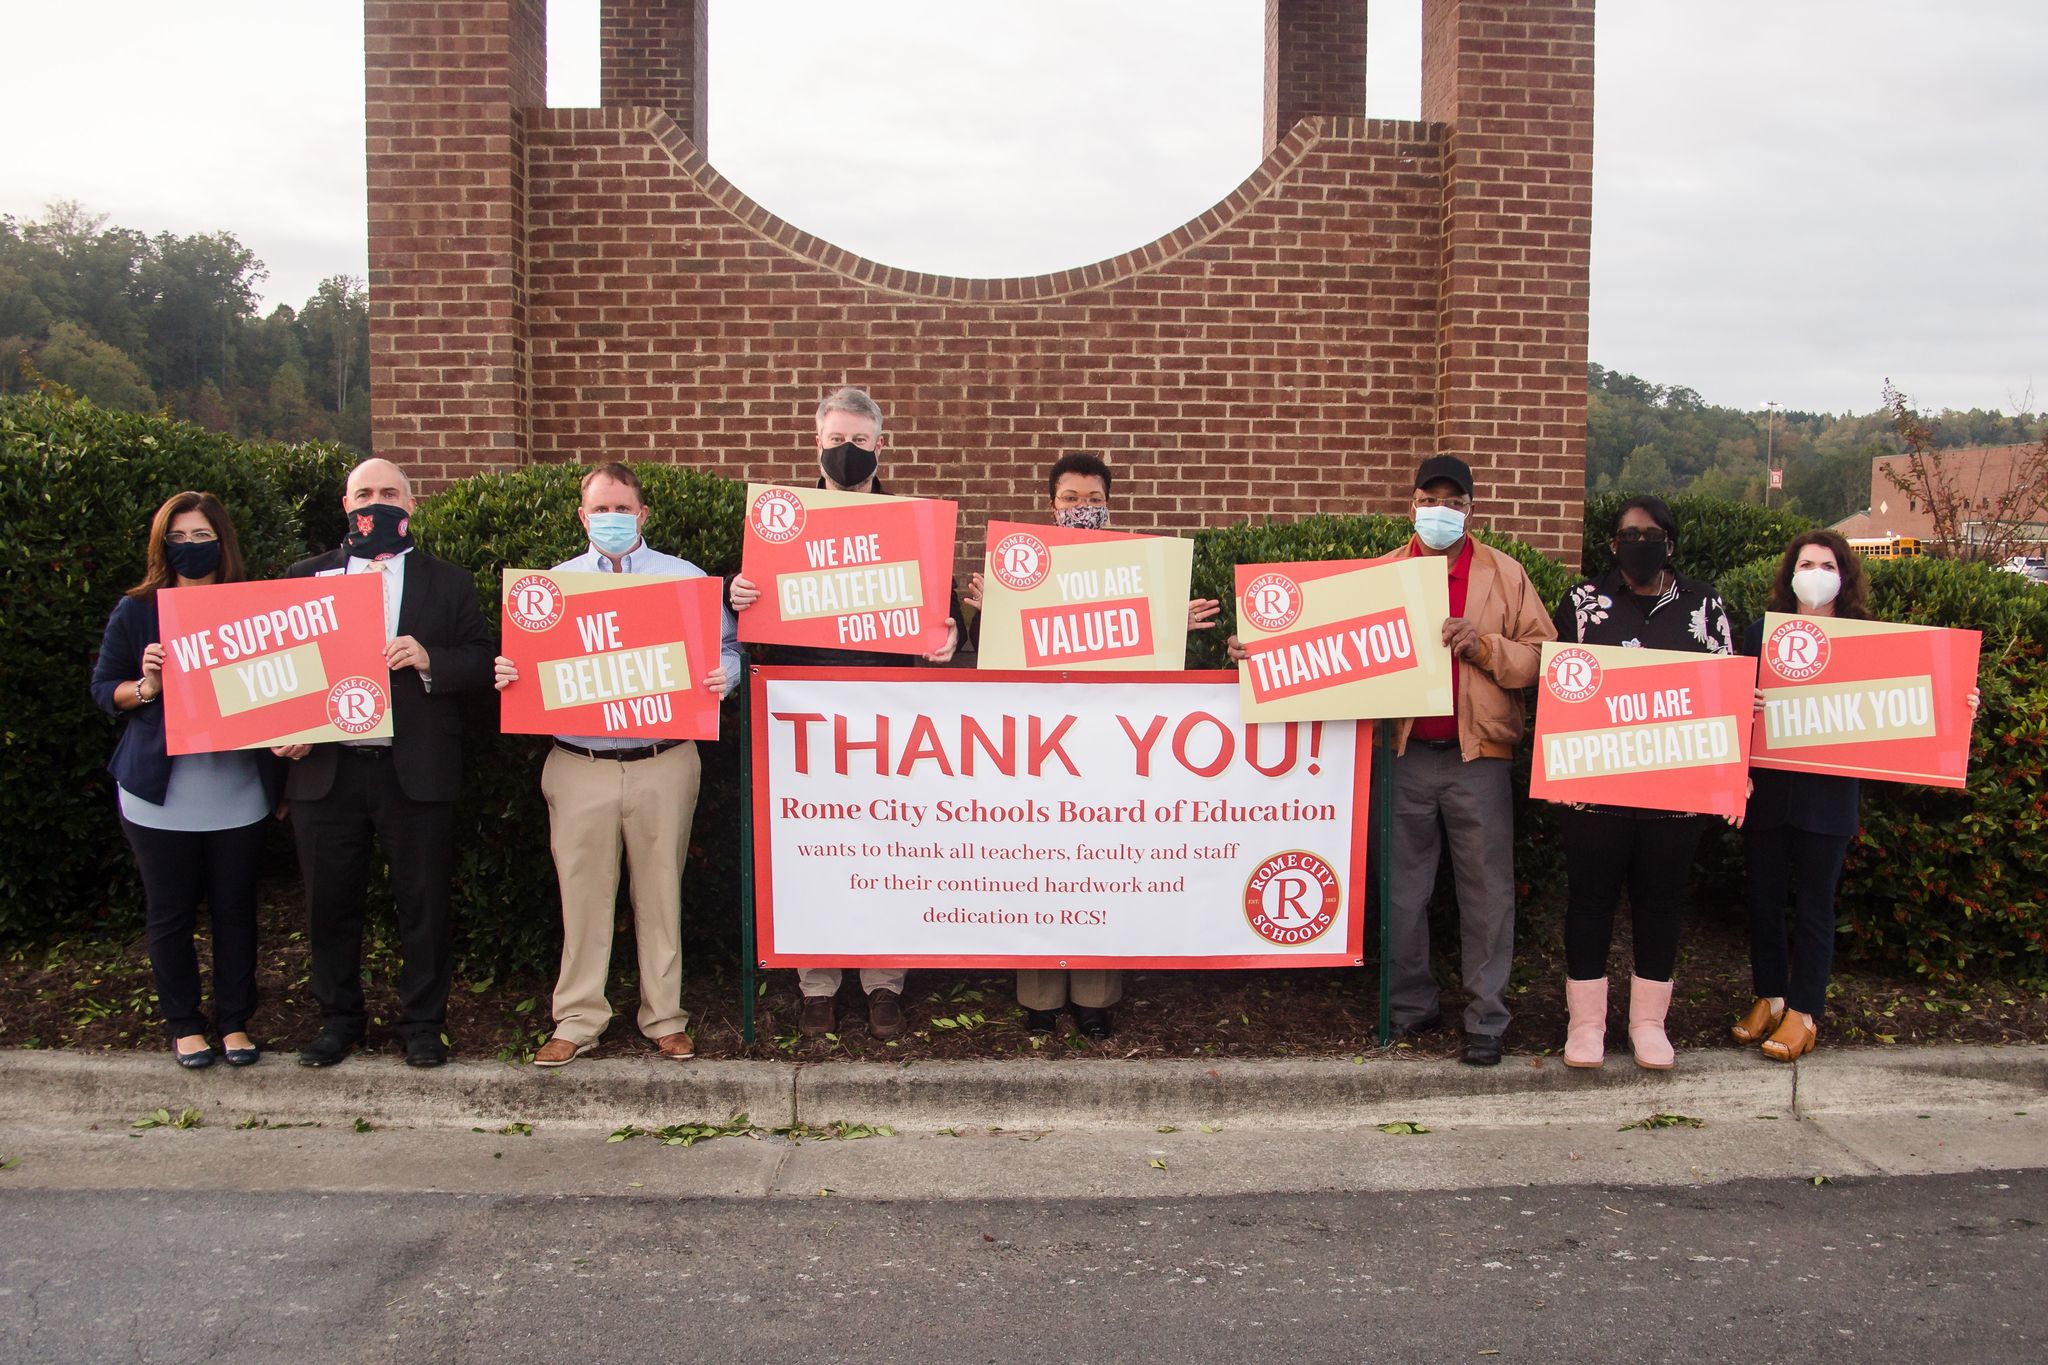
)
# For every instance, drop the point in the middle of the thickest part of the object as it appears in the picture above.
(1109, 601)
(1866, 699)
(848, 570)
(1339, 638)
(1653, 729)
(289, 661)
(610, 654)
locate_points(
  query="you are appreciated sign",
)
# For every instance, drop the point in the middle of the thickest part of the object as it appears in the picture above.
(848, 570)
(1055, 598)
(1866, 699)
(1344, 639)
(289, 661)
(610, 654)
(1654, 729)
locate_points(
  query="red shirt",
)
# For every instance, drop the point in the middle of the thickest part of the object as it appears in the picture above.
(1446, 727)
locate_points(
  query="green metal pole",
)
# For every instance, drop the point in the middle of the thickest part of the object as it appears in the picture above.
(1383, 830)
(747, 962)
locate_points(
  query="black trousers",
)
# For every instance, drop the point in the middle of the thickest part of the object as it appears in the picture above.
(1787, 864)
(334, 835)
(1653, 859)
(180, 868)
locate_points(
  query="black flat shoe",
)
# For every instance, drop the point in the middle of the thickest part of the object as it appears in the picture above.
(193, 1061)
(240, 1056)
(1041, 1021)
(1481, 1049)
(1093, 1023)
(425, 1052)
(327, 1049)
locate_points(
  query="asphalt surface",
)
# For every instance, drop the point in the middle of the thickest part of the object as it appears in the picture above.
(1892, 1268)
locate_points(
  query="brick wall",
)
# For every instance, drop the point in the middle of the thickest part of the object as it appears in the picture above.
(1315, 62)
(1373, 291)
(655, 55)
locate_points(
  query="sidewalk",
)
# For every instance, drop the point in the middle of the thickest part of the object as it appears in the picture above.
(1067, 1093)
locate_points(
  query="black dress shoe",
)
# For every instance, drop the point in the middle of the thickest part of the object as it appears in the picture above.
(1481, 1049)
(327, 1049)
(240, 1056)
(193, 1061)
(1428, 1023)
(425, 1052)
(1093, 1022)
(1041, 1021)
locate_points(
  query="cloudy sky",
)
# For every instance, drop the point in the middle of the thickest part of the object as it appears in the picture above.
(1791, 201)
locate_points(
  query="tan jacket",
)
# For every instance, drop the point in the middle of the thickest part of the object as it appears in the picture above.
(1502, 603)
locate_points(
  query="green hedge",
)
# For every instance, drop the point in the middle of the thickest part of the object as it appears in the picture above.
(1715, 536)
(1950, 883)
(78, 486)
(508, 913)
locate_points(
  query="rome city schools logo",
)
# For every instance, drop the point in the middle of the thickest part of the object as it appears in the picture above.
(535, 602)
(355, 706)
(1272, 601)
(1020, 561)
(777, 516)
(1291, 898)
(1797, 650)
(1574, 675)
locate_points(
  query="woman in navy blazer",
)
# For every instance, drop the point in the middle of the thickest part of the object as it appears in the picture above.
(196, 821)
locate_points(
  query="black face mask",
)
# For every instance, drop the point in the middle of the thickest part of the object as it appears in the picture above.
(378, 531)
(1642, 560)
(193, 558)
(847, 464)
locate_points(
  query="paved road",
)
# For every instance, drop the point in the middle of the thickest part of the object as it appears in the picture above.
(1889, 1268)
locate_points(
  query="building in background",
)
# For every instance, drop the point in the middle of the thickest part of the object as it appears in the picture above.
(1998, 493)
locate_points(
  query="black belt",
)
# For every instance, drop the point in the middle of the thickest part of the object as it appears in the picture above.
(1434, 743)
(621, 755)
(367, 750)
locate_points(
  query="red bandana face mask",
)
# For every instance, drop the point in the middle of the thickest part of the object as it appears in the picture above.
(378, 531)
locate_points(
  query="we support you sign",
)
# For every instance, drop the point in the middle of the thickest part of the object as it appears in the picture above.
(848, 570)
(287, 661)
(1055, 598)
(1020, 820)
(1866, 699)
(610, 654)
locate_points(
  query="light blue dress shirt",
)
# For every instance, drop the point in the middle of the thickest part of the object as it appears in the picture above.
(641, 560)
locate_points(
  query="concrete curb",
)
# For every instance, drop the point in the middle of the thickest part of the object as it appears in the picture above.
(55, 1087)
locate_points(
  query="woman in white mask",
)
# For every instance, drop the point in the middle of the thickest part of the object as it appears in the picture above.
(1798, 826)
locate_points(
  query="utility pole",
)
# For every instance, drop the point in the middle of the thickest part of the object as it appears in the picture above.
(1774, 478)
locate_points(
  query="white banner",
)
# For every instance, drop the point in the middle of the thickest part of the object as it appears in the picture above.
(936, 818)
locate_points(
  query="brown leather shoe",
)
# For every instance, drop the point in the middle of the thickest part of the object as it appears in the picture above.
(885, 1015)
(1756, 1025)
(819, 1017)
(1793, 1040)
(561, 1052)
(677, 1047)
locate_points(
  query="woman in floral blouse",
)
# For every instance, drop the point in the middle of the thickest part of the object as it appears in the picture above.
(1642, 602)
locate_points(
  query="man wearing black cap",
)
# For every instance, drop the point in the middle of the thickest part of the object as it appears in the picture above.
(850, 444)
(1457, 768)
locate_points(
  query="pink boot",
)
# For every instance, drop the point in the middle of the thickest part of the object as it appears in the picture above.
(1585, 1041)
(1648, 1002)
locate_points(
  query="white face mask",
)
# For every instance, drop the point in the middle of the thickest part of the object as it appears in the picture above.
(1816, 587)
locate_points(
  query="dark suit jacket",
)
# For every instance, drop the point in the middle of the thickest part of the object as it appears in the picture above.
(141, 764)
(439, 610)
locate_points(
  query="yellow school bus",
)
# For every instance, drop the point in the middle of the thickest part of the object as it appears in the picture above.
(1886, 547)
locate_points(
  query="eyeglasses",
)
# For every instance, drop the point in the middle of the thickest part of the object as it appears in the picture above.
(1456, 504)
(1633, 536)
(1073, 499)
(190, 537)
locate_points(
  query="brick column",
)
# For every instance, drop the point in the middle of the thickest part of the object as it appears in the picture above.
(655, 55)
(1315, 62)
(445, 85)
(1512, 83)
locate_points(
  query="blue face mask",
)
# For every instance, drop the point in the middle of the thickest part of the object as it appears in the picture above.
(1439, 527)
(614, 533)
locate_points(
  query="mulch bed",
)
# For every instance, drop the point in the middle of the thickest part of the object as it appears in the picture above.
(96, 995)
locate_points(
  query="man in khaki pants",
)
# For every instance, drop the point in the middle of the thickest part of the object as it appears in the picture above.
(604, 792)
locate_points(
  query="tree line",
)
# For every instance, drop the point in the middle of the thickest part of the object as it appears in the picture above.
(141, 323)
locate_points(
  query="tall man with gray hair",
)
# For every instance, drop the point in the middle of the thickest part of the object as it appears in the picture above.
(850, 443)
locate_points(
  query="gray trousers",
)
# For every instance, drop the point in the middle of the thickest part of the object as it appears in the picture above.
(1476, 801)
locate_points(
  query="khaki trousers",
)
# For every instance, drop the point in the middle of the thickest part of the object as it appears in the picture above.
(1050, 990)
(596, 807)
(825, 980)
